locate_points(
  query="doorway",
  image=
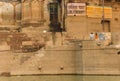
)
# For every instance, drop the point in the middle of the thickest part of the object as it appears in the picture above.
(107, 26)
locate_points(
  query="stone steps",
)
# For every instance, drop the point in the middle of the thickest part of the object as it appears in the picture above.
(90, 44)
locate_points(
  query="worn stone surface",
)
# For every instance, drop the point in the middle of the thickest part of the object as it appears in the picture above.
(70, 59)
(67, 52)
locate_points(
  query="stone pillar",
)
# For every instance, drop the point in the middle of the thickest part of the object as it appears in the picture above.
(1, 19)
(14, 8)
(41, 5)
(18, 12)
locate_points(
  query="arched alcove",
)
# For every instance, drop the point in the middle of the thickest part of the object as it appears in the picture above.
(8, 14)
(26, 10)
(35, 5)
(32, 12)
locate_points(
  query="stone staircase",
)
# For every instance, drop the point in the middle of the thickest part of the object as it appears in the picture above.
(47, 62)
(68, 59)
(90, 44)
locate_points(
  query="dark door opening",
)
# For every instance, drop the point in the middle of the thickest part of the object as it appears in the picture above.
(107, 26)
(54, 22)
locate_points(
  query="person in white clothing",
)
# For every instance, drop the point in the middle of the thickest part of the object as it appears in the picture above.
(92, 36)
